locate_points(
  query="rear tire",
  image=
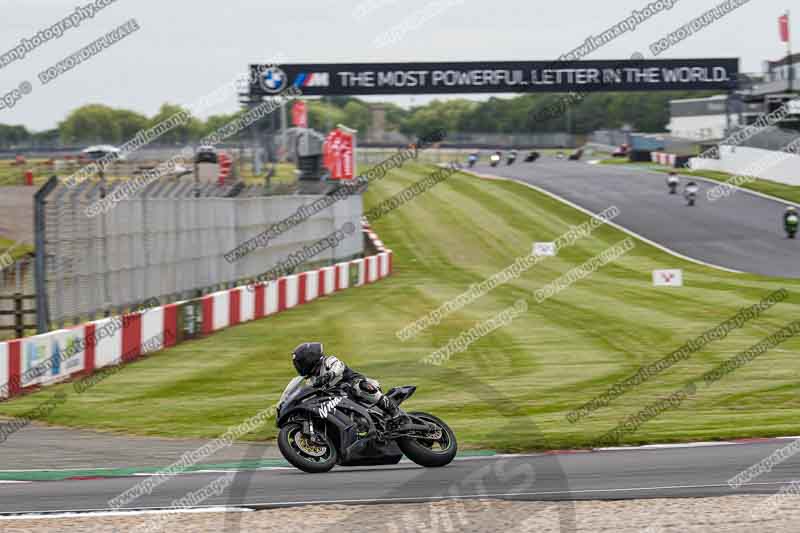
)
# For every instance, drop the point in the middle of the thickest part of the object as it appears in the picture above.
(421, 453)
(306, 463)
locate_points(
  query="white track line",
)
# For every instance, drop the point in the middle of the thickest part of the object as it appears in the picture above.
(609, 222)
(93, 514)
(510, 494)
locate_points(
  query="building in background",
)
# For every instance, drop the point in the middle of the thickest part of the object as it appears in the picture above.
(709, 119)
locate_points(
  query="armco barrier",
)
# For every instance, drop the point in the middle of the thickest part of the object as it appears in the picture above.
(41, 360)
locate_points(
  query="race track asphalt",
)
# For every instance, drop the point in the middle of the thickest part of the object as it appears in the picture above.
(599, 475)
(742, 232)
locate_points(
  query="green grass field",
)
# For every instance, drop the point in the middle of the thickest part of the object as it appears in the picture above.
(18, 250)
(512, 388)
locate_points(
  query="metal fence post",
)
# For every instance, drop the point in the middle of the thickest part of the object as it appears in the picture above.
(42, 307)
(19, 317)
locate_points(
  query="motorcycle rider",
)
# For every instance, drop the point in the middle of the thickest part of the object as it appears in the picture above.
(473, 158)
(310, 361)
(672, 181)
(790, 219)
(691, 192)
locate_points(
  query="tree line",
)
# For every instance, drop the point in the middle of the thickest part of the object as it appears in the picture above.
(648, 112)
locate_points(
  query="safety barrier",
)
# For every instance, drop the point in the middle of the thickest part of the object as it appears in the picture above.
(663, 158)
(32, 362)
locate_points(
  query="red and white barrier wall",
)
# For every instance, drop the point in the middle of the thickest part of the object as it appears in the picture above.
(663, 158)
(31, 362)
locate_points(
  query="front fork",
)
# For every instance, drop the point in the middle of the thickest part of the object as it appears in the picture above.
(308, 430)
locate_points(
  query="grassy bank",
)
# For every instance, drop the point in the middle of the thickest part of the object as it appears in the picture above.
(512, 388)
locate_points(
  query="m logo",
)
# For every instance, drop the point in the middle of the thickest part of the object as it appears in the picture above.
(312, 79)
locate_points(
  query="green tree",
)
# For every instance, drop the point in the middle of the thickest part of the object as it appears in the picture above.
(215, 122)
(190, 128)
(11, 136)
(90, 124)
(130, 123)
(357, 116)
(324, 117)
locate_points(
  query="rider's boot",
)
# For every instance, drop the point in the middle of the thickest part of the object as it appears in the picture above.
(396, 416)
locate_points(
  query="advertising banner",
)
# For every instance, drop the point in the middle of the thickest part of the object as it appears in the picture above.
(51, 356)
(497, 77)
(668, 278)
(190, 320)
(338, 155)
(300, 114)
(783, 28)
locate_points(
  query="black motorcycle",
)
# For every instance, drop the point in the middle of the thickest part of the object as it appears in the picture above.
(512, 157)
(320, 428)
(690, 194)
(532, 157)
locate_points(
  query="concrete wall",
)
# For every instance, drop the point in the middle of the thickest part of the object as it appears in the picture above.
(781, 167)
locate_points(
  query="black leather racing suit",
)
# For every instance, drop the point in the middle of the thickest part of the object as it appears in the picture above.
(332, 371)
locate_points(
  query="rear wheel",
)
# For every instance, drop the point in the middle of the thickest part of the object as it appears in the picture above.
(436, 448)
(306, 455)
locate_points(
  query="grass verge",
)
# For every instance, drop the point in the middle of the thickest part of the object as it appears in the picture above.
(511, 389)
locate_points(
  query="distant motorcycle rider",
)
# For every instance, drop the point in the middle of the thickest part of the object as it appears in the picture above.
(690, 192)
(673, 181)
(790, 212)
(311, 362)
(790, 221)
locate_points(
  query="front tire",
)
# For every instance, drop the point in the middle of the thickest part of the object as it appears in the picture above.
(308, 457)
(424, 451)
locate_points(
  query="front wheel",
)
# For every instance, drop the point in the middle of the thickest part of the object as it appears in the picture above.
(304, 454)
(437, 448)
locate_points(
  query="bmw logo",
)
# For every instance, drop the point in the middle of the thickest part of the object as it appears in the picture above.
(273, 80)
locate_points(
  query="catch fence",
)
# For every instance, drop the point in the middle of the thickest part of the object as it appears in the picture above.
(168, 241)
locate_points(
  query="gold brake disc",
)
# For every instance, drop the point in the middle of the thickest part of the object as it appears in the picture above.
(307, 447)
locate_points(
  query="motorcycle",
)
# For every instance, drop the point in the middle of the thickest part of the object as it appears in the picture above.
(790, 224)
(532, 157)
(691, 194)
(512, 157)
(320, 428)
(672, 183)
(494, 160)
(472, 160)
(576, 155)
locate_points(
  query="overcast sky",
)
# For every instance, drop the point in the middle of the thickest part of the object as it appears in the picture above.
(186, 49)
